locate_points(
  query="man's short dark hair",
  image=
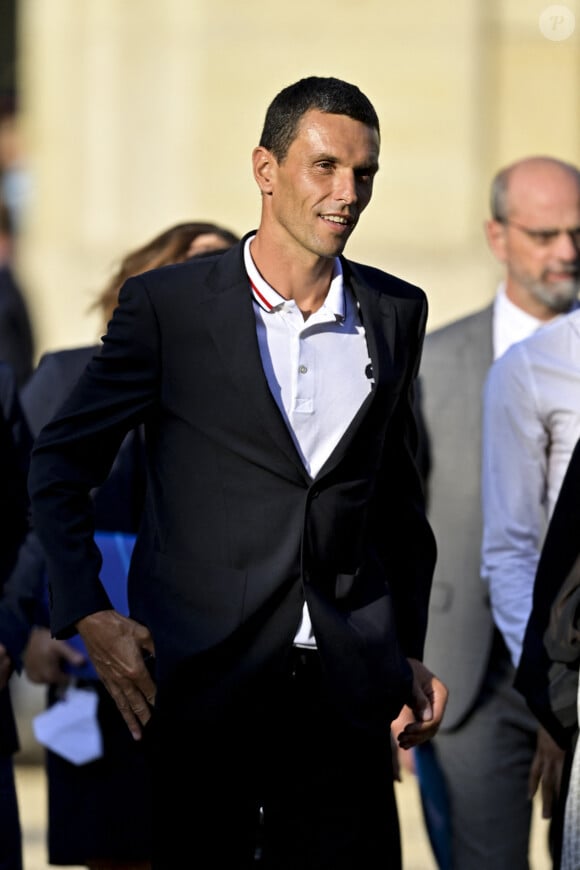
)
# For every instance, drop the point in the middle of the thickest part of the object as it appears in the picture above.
(329, 95)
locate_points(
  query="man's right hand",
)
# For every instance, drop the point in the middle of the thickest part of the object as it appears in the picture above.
(546, 770)
(117, 646)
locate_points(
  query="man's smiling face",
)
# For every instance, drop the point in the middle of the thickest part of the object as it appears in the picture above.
(321, 187)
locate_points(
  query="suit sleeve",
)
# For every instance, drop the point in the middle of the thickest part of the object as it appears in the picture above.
(74, 453)
(406, 538)
(513, 483)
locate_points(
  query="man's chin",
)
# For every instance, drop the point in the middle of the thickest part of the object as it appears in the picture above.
(558, 296)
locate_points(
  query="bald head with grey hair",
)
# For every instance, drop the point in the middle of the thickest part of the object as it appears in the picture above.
(499, 193)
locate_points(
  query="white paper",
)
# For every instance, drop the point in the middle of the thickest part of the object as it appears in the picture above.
(71, 728)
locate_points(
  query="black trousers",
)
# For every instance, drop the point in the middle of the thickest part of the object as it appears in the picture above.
(286, 779)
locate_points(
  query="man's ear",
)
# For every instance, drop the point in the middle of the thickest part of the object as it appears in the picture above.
(495, 235)
(264, 164)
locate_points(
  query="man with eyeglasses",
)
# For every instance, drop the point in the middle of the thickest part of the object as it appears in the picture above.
(531, 420)
(483, 754)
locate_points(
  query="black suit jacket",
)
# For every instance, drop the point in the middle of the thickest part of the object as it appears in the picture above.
(235, 533)
(548, 679)
(118, 503)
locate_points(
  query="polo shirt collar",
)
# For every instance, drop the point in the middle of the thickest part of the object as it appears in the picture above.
(270, 300)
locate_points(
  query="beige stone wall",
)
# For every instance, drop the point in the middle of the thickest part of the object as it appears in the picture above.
(138, 114)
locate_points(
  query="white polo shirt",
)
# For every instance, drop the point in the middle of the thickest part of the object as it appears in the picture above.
(317, 369)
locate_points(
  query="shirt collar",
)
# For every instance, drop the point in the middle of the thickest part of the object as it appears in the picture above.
(515, 313)
(270, 300)
(510, 322)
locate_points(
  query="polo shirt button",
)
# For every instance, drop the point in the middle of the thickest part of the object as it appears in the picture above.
(302, 369)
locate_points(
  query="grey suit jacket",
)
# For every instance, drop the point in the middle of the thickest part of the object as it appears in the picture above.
(460, 628)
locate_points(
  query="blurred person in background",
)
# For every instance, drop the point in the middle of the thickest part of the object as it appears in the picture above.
(478, 773)
(547, 673)
(99, 812)
(15, 445)
(531, 423)
(16, 333)
(15, 180)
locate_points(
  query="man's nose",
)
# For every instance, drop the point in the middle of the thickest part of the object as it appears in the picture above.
(346, 188)
(566, 246)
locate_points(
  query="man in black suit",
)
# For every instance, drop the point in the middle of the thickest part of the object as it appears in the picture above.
(280, 581)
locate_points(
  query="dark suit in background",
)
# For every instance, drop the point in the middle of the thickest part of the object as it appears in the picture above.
(15, 445)
(16, 336)
(551, 692)
(547, 673)
(87, 803)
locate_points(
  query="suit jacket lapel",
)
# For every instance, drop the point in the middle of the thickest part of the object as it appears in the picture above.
(234, 332)
(379, 318)
(378, 315)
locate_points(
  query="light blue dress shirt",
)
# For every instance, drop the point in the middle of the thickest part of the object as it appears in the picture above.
(531, 422)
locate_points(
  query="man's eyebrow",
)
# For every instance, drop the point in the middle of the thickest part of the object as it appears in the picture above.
(554, 230)
(541, 232)
(371, 166)
(325, 155)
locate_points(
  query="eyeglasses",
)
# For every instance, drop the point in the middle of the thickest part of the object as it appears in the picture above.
(543, 238)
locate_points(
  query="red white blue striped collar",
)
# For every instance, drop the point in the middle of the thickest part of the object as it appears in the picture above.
(270, 300)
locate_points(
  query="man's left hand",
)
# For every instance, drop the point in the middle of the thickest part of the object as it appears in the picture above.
(428, 702)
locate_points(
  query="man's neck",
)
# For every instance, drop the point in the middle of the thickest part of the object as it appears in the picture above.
(298, 275)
